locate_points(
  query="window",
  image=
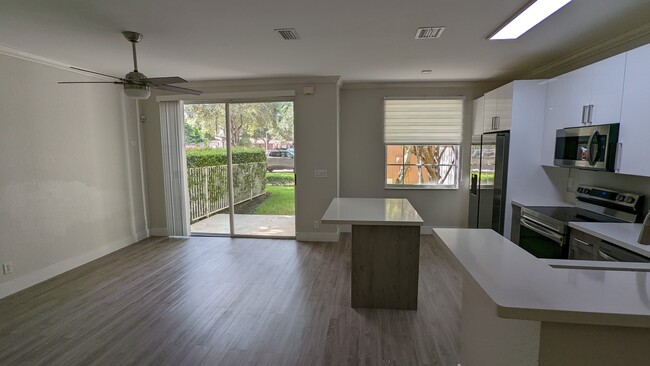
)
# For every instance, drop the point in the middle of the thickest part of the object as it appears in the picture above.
(422, 139)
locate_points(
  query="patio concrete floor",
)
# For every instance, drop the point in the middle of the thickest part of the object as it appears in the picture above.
(263, 225)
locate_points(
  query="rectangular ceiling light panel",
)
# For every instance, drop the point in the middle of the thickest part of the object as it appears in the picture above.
(530, 17)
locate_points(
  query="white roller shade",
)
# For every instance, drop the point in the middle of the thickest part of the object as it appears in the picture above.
(423, 121)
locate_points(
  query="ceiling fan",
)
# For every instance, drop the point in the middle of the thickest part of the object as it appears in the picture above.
(136, 84)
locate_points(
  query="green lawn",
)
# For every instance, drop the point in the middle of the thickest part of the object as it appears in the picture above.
(280, 202)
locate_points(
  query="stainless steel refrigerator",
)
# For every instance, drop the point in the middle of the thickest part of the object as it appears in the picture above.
(488, 178)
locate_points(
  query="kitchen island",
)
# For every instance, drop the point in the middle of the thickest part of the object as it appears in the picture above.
(385, 250)
(518, 310)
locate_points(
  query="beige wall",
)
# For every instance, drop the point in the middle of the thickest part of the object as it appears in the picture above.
(316, 144)
(362, 148)
(70, 187)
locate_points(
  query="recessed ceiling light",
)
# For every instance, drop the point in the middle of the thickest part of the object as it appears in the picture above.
(426, 71)
(528, 17)
(288, 34)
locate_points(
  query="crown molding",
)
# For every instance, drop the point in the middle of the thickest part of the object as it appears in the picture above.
(422, 84)
(267, 81)
(595, 52)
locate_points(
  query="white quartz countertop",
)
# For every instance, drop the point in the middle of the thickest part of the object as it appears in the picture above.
(621, 234)
(371, 211)
(524, 287)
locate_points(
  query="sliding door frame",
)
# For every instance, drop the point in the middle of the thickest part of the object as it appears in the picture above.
(231, 186)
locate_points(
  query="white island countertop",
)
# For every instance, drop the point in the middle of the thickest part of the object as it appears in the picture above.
(371, 211)
(621, 234)
(524, 287)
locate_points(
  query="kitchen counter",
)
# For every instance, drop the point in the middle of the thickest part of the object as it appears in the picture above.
(621, 234)
(519, 311)
(524, 287)
(371, 211)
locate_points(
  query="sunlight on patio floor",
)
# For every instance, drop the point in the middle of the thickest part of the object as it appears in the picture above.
(263, 225)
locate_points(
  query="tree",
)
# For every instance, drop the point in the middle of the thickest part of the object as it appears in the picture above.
(430, 157)
(193, 135)
(210, 118)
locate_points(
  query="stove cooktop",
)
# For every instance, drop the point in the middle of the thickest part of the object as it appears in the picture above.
(571, 214)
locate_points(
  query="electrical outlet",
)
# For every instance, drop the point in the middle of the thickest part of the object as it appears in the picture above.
(316, 224)
(7, 268)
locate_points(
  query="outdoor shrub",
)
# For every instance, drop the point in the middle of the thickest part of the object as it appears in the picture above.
(213, 157)
(280, 179)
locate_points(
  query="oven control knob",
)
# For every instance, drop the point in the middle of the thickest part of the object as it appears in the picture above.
(620, 198)
(629, 199)
(580, 190)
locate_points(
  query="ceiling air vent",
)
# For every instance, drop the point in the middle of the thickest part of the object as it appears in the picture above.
(288, 33)
(429, 32)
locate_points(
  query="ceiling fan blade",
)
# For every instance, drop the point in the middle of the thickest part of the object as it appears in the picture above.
(98, 73)
(178, 89)
(166, 80)
(90, 82)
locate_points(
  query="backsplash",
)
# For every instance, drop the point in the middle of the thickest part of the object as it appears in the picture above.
(629, 183)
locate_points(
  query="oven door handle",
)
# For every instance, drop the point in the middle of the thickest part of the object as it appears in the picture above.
(606, 257)
(542, 231)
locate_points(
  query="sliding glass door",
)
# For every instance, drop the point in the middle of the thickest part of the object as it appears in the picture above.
(240, 161)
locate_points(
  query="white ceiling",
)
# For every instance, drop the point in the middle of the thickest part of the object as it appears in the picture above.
(369, 40)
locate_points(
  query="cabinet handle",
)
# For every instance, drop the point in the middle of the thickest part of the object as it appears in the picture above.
(583, 242)
(585, 112)
(590, 114)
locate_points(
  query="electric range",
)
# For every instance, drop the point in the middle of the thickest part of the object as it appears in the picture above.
(544, 230)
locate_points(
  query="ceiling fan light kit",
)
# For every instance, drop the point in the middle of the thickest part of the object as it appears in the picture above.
(136, 84)
(136, 91)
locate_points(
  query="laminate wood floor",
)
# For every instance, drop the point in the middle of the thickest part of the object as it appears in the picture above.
(221, 301)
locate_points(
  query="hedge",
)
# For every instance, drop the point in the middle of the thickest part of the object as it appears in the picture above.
(212, 157)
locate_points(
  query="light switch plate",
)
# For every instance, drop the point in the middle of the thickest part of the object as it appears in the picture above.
(320, 173)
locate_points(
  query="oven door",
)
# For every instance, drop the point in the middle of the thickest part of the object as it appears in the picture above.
(541, 241)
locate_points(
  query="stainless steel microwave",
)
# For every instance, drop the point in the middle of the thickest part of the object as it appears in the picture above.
(588, 147)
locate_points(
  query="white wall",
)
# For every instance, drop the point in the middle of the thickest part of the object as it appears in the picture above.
(316, 146)
(70, 188)
(362, 147)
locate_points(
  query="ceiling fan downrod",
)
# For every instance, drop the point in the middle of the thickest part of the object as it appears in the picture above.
(133, 37)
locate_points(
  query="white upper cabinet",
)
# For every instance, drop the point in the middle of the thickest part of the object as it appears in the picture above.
(498, 109)
(607, 90)
(590, 95)
(479, 109)
(635, 115)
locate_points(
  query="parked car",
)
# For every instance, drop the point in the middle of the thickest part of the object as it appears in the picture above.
(279, 160)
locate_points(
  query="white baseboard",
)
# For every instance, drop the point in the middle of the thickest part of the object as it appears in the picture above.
(327, 237)
(158, 231)
(56, 269)
(424, 230)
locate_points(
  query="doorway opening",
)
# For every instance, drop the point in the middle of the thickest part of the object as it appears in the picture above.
(240, 168)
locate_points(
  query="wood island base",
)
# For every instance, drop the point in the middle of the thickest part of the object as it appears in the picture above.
(385, 266)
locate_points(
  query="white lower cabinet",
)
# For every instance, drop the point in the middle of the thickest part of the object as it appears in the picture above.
(634, 134)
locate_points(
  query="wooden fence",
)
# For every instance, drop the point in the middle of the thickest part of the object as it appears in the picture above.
(208, 187)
